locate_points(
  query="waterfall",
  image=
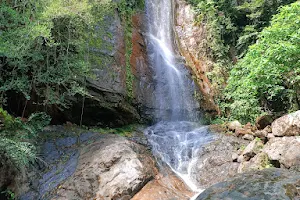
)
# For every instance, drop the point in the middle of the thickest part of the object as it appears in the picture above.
(176, 139)
(174, 88)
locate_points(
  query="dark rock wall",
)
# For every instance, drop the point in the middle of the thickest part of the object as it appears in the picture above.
(143, 86)
(108, 101)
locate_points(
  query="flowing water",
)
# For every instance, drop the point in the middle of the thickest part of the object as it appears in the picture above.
(174, 88)
(176, 138)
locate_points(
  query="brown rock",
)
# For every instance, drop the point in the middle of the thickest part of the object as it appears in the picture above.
(243, 131)
(167, 187)
(263, 121)
(288, 125)
(250, 127)
(261, 134)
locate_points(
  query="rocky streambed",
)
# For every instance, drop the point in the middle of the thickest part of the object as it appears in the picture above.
(81, 164)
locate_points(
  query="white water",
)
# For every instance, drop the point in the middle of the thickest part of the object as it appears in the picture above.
(174, 88)
(175, 139)
(177, 144)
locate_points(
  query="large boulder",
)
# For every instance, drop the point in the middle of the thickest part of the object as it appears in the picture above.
(288, 125)
(84, 164)
(280, 152)
(275, 184)
(247, 129)
(217, 161)
(114, 168)
(284, 152)
(258, 162)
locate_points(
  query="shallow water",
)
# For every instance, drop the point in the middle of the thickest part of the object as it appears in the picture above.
(177, 144)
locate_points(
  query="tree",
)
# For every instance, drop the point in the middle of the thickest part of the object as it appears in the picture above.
(267, 79)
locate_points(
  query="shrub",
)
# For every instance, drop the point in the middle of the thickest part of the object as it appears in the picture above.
(17, 139)
(267, 79)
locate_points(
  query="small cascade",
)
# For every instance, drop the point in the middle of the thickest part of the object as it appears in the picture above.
(177, 144)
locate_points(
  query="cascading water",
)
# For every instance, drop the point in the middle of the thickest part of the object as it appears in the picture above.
(174, 88)
(175, 139)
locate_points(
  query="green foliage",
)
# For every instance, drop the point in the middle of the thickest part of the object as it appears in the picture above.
(43, 48)
(45, 51)
(231, 27)
(267, 79)
(16, 139)
(5, 118)
(10, 195)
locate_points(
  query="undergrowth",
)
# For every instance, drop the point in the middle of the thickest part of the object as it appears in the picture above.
(17, 138)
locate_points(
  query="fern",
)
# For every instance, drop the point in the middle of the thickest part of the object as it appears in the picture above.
(17, 138)
(17, 154)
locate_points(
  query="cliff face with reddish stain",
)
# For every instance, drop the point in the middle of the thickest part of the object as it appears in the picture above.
(143, 86)
(108, 102)
(190, 39)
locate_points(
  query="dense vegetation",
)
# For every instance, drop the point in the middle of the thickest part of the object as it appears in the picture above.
(45, 46)
(267, 79)
(232, 26)
(45, 58)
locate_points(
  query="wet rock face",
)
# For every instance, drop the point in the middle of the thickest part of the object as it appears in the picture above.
(275, 184)
(106, 103)
(143, 86)
(190, 39)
